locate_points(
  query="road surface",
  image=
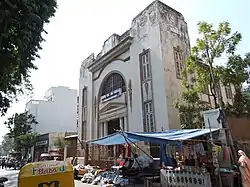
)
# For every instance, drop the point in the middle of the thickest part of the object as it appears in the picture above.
(12, 176)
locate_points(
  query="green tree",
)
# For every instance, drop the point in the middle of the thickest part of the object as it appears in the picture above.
(235, 73)
(20, 131)
(190, 108)
(21, 28)
(60, 142)
(24, 143)
(210, 46)
(7, 144)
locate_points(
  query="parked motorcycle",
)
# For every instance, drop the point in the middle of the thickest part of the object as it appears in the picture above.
(2, 181)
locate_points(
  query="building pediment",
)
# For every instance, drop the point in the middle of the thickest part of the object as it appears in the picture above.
(112, 54)
(111, 106)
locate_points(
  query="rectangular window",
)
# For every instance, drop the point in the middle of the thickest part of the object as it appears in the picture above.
(179, 62)
(149, 117)
(228, 92)
(84, 104)
(84, 113)
(84, 96)
(84, 130)
(145, 65)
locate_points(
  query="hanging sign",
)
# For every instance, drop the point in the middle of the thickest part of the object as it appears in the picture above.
(112, 95)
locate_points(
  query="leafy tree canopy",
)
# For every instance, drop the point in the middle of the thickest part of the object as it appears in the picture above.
(7, 145)
(190, 109)
(60, 142)
(212, 44)
(21, 27)
(20, 126)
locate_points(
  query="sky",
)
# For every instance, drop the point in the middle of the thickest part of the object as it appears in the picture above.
(80, 27)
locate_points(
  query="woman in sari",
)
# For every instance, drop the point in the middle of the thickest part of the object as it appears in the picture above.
(244, 166)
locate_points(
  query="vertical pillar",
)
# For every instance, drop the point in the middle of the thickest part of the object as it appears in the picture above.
(105, 128)
(86, 154)
(121, 124)
(102, 129)
(125, 122)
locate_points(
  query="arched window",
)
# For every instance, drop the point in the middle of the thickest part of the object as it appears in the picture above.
(113, 82)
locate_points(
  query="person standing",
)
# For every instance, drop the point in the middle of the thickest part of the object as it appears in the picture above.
(3, 163)
(72, 161)
(244, 166)
(75, 161)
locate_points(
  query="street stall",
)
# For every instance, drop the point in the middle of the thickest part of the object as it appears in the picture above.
(185, 154)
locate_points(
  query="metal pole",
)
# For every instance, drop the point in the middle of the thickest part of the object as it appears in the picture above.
(223, 116)
(214, 156)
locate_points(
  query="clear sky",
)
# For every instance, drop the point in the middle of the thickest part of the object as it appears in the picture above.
(81, 26)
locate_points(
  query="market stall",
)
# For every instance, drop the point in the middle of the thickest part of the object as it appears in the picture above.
(184, 153)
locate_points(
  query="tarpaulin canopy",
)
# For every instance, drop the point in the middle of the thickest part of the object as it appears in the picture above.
(153, 137)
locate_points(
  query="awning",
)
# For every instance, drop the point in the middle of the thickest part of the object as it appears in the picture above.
(71, 136)
(113, 139)
(153, 137)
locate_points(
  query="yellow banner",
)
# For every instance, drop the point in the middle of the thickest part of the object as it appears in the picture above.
(48, 173)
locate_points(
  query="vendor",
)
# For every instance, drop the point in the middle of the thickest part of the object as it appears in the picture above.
(136, 162)
(174, 161)
(191, 161)
(126, 165)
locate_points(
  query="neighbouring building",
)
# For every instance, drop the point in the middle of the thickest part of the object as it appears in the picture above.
(57, 112)
(135, 79)
(44, 144)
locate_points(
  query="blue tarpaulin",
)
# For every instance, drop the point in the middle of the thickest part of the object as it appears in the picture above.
(153, 137)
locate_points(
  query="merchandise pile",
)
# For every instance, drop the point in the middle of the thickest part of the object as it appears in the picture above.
(103, 178)
(95, 176)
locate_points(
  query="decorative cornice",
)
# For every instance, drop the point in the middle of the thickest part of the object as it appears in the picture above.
(107, 116)
(104, 60)
(106, 107)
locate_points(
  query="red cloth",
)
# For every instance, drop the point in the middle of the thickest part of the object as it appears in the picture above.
(128, 150)
(121, 163)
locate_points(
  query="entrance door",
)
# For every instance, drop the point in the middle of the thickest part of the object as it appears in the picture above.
(113, 125)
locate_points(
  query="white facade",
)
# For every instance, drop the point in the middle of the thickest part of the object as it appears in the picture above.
(128, 85)
(57, 112)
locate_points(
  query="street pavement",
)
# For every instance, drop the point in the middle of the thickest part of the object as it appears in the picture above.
(12, 176)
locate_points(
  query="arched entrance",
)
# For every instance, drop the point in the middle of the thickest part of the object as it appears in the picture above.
(112, 108)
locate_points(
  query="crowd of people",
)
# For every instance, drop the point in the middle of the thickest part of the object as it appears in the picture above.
(8, 163)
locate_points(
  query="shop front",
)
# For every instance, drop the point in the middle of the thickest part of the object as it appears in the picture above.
(41, 146)
(188, 157)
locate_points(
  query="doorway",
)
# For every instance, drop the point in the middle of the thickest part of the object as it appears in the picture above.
(113, 125)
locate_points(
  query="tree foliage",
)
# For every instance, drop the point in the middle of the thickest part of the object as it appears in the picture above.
(190, 108)
(236, 73)
(210, 46)
(7, 145)
(21, 28)
(204, 72)
(60, 142)
(20, 126)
